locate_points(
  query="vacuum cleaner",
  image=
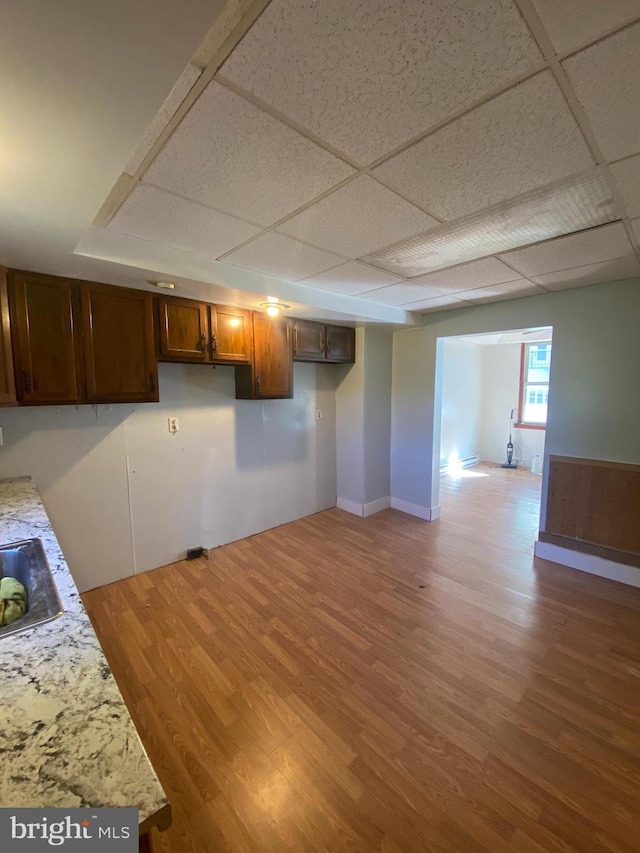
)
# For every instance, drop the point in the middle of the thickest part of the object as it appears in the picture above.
(510, 463)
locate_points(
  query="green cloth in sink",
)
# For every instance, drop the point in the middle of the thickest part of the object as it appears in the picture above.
(13, 600)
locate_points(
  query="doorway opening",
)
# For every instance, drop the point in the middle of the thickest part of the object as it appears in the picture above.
(494, 403)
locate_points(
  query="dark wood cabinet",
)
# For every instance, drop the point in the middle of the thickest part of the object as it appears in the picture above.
(7, 383)
(197, 332)
(119, 358)
(43, 313)
(270, 374)
(323, 343)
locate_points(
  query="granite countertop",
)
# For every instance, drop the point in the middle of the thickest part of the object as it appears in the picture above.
(66, 737)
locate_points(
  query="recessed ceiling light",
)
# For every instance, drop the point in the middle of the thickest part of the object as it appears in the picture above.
(565, 207)
(273, 307)
(165, 285)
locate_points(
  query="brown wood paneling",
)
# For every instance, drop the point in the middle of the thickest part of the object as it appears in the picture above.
(595, 502)
(44, 338)
(7, 383)
(119, 355)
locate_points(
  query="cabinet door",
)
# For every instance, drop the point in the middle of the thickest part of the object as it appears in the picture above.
(118, 350)
(273, 358)
(231, 335)
(44, 344)
(7, 385)
(184, 329)
(309, 341)
(341, 343)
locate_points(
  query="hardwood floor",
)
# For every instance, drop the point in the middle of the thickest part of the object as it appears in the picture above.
(386, 684)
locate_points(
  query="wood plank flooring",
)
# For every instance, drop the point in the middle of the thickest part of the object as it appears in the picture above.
(386, 684)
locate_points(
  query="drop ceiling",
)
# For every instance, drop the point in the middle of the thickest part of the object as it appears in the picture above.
(363, 160)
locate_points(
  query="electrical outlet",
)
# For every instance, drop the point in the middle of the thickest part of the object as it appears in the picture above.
(319, 415)
(174, 426)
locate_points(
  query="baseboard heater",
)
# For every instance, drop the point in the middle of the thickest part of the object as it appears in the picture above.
(461, 463)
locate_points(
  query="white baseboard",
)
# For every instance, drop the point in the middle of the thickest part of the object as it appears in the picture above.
(376, 506)
(363, 510)
(349, 506)
(424, 512)
(588, 563)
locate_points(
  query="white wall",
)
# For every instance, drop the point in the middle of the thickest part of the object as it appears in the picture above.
(500, 394)
(124, 495)
(593, 410)
(363, 424)
(462, 393)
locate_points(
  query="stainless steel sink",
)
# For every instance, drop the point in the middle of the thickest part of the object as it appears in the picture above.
(26, 561)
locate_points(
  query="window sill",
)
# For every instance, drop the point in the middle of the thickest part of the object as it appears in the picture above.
(529, 426)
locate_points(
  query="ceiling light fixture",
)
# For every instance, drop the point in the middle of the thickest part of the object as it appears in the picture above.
(165, 285)
(564, 207)
(273, 307)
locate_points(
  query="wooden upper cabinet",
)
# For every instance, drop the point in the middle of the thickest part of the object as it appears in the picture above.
(7, 384)
(42, 313)
(231, 334)
(340, 344)
(184, 329)
(319, 342)
(270, 375)
(118, 345)
(198, 332)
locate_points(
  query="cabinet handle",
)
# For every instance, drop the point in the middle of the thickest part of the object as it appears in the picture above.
(258, 388)
(202, 346)
(26, 381)
(152, 382)
(214, 344)
(328, 346)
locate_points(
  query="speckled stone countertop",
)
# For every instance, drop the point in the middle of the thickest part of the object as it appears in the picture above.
(66, 737)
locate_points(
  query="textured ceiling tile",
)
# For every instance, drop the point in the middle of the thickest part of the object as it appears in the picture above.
(498, 292)
(523, 139)
(476, 274)
(351, 278)
(283, 257)
(154, 215)
(574, 23)
(228, 153)
(606, 80)
(627, 177)
(357, 219)
(635, 224)
(592, 274)
(401, 294)
(438, 303)
(368, 75)
(563, 253)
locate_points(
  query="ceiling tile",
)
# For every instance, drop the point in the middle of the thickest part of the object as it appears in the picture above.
(233, 156)
(523, 139)
(401, 294)
(468, 276)
(606, 80)
(592, 274)
(275, 254)
(635, 224)
(627, 177)
(368, 76)
(425, 306)
(351, 278)
(159, 217)
(498, 292)
(574, 23)
(358, 218)
(586, 247)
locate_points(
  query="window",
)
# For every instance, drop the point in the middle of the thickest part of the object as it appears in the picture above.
(534, 385)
